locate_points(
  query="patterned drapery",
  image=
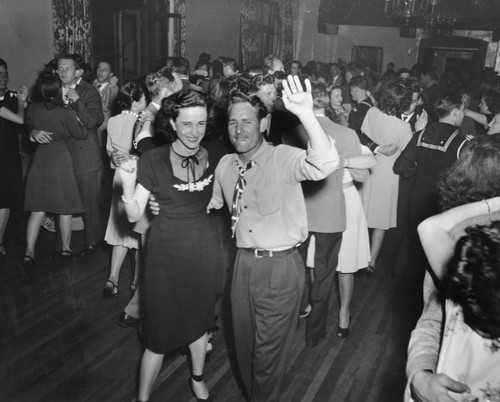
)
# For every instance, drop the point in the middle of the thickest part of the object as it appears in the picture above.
(180, 8)
(248, 32)
(286, 31)
(72, 27)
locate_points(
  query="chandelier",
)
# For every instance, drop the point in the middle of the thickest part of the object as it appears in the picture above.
(428, 14)
(408, 9)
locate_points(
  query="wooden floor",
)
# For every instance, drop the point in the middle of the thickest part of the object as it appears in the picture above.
(59, 340)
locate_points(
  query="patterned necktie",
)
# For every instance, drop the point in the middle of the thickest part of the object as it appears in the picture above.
(238, 193)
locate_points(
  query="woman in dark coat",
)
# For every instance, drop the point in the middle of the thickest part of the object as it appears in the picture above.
(51, 182)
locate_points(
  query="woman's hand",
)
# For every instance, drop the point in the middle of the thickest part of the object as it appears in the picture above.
(22, 94)
(117, 158)
(146, 115)
(421, 122)
(127, 172)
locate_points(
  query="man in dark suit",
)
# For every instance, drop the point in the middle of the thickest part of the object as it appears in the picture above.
(85, 100)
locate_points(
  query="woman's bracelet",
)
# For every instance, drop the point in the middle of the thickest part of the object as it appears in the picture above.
(488, 205)
(125, 201)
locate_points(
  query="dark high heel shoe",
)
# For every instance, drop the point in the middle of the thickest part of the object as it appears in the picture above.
(109, 292)
(343, 332)
(197, 378)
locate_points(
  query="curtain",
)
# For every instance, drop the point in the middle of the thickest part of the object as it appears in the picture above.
(248, 34)
(72, 27)
(286, 31)
(180, 8)
(249, 53)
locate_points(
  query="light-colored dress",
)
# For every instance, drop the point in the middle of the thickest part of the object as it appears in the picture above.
(354, 251)
(380, 192)
(119, 230)
(467, 357)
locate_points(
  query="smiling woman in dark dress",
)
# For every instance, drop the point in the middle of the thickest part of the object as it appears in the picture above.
(183, 248)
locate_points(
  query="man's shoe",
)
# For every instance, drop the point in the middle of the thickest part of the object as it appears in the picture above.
(88, 251)
(316, 342)
(127, 321)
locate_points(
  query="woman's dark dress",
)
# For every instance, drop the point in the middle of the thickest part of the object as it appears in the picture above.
(183, 254)
(51, 182)
(11, 176)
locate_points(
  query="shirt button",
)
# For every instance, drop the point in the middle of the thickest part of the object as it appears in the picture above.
(245, 207)
(250, 230)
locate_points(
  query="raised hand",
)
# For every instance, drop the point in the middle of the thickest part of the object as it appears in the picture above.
(297, 100)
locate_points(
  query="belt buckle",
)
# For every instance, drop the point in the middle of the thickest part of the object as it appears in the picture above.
(260, 253)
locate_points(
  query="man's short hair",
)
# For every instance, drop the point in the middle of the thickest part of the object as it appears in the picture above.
(359, 82)
(447, 103)
(298, 63)
(181, 65)
(253, 100)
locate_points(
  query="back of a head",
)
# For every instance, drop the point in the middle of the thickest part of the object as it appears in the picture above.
(359, 82)
(49, 88)
(473, 177)
(396, 98)
(447, 103)
(181, 65)
(473, 278)
(319, 94)
(128, 93)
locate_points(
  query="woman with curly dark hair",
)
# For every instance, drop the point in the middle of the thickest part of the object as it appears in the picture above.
(466, 188)
(467, 268)
(183, 247)
(475, 176)
(380, 192)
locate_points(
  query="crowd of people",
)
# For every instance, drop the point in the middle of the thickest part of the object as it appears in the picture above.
(282, 175)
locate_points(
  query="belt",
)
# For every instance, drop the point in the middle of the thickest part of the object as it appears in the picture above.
(260, 253)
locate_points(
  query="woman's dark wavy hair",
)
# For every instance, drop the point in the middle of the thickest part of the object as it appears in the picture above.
(254, 100)
(475, 176)
(49, 89)
(473, 278)
(131, 91)
(396, 98)
(170, 108)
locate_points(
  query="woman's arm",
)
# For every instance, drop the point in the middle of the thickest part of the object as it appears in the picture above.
(477, 117)
(135, 196)
(434, 232)
(18, 117)
(358, 166)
